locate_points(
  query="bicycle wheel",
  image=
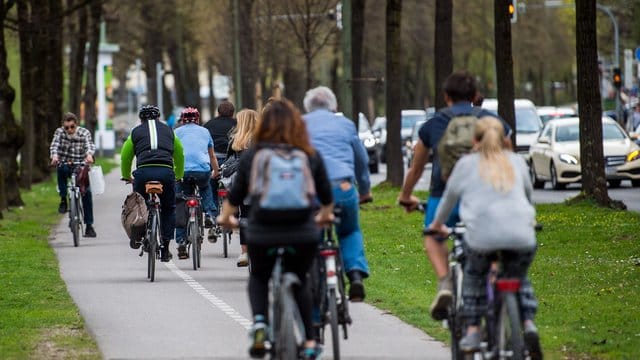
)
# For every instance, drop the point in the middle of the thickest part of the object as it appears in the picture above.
(286, 346)
(226, 238)
(154, 242)
(510, 340)
(74, 219)
(455, 321)
(192, 236)
(333, 321)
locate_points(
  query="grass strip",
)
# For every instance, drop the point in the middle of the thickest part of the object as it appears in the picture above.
(586, 275)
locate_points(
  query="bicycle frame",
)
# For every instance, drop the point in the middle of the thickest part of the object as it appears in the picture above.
(76, 212)
(195, 222)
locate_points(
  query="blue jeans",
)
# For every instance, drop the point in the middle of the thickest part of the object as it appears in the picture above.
(64, 173)
(202, 180)
(348, 230)
(167, 199)
(214, 187)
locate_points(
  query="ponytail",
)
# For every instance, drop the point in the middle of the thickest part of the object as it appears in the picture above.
(495, 167)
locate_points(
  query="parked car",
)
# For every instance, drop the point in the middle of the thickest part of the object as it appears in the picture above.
(408, 119)
(411, 143)
(547, 113)
(555, 156)
(528, 123)
(369, 141)
(379, 129)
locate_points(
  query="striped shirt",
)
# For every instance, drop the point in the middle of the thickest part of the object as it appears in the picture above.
(72, 148)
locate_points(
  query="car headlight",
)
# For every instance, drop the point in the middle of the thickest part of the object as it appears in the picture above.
(369, 142)
(569, 159)
(633, 155)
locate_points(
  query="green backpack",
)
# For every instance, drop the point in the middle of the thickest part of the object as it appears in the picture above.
(457, 139)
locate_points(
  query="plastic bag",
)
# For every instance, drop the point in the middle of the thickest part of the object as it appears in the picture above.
(96, 179)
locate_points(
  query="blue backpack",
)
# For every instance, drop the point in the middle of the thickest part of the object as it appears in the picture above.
(281, 186)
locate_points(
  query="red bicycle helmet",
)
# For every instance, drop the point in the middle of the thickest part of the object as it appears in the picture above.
(190, 115)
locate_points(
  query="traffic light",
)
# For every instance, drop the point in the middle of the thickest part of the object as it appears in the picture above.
(513, 10)
(617, 78)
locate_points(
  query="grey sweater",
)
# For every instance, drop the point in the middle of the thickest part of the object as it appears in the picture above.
(494, 220)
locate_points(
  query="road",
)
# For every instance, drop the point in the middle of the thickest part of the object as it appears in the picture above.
(629, 195)
(190, 314)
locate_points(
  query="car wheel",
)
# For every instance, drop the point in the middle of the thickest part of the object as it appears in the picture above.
(554, 179)
(537, 184)
(614, 184)
(373, 168)
(635, 183)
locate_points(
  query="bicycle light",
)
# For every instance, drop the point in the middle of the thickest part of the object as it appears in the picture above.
(192, 203)
(328, 252)
(222, 192)
(508, 285)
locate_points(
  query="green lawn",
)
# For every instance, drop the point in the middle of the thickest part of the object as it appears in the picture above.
(586, 275)
(38, 318)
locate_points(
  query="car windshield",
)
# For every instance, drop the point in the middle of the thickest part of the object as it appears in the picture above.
(527, 121)
(572, 133)
(409, 120)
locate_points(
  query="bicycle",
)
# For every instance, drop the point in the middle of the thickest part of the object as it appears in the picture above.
(328, 279)
(220, 231)
(195, 224)
(502, 329)
(76, 212)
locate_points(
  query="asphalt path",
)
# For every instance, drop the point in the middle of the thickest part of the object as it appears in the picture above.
(625, 193)
(189, 314)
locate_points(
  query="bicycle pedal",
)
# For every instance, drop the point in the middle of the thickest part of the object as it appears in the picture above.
(141, 252)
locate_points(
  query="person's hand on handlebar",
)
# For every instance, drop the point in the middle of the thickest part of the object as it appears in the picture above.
(55, 160)
(409, 204)
(325, 216)
(89, 159)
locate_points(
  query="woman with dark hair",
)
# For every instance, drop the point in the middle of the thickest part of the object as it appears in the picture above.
(280, 126)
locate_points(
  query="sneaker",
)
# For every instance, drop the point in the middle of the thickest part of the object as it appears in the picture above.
(208, 221)
(89, 232)
(135, 244)
(165, 254)
(243, 260)
(440, 306)
(470, 343)
(212, 236)
(356, 290)
(182, 252)
(62, 208)
(258, 335)
(532, 340)
(311, 353)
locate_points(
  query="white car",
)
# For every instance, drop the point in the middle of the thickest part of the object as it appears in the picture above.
(555, 156)
(528, 123)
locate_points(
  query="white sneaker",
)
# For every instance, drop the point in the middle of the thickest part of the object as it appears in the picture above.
(243, 260)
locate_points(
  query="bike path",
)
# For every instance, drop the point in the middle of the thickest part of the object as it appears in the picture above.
(189, 314)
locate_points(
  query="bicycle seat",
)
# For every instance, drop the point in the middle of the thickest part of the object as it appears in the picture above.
(153, 187)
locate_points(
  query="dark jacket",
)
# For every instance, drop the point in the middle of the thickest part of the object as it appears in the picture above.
(220, 129)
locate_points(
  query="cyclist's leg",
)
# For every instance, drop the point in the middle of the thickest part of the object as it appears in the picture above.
(348, 230)
(64, 172)
(474, 295)
(167, 208)
(87, 206)
(208, 205)
(300, 263)
(182, 187)
(243, 258)
(214, 187)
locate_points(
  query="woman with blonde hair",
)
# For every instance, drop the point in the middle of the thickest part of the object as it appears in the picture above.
(241, 139)
(494, 189)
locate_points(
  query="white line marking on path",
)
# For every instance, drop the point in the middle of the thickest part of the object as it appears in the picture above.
(214, 300)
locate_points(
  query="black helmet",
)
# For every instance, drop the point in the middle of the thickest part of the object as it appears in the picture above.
(149, 112)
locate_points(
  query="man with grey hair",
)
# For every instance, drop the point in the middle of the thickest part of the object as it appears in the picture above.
(336, 139)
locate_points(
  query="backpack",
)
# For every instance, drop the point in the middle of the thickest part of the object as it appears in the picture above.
(134, 216)
(457, 139)
(281, 186)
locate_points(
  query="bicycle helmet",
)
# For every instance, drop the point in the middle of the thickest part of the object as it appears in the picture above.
(149, 112)
(190, 115)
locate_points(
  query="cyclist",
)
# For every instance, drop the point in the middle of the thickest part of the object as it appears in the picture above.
(200, 163)
(494, 190)
(159, 157)
(459, 93)
(336, 139)
(220, 129)
(72, 143)
(240, 141)
(280, 123)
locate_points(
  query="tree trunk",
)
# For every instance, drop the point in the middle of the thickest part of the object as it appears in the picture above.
(91, 92)
(26, 38)
(393, 92)
(357, 34)
(11, 135)
(78, 40)
(504, 65)
(247, 55)
(594, 183)
(442, 48)
(54, 70)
